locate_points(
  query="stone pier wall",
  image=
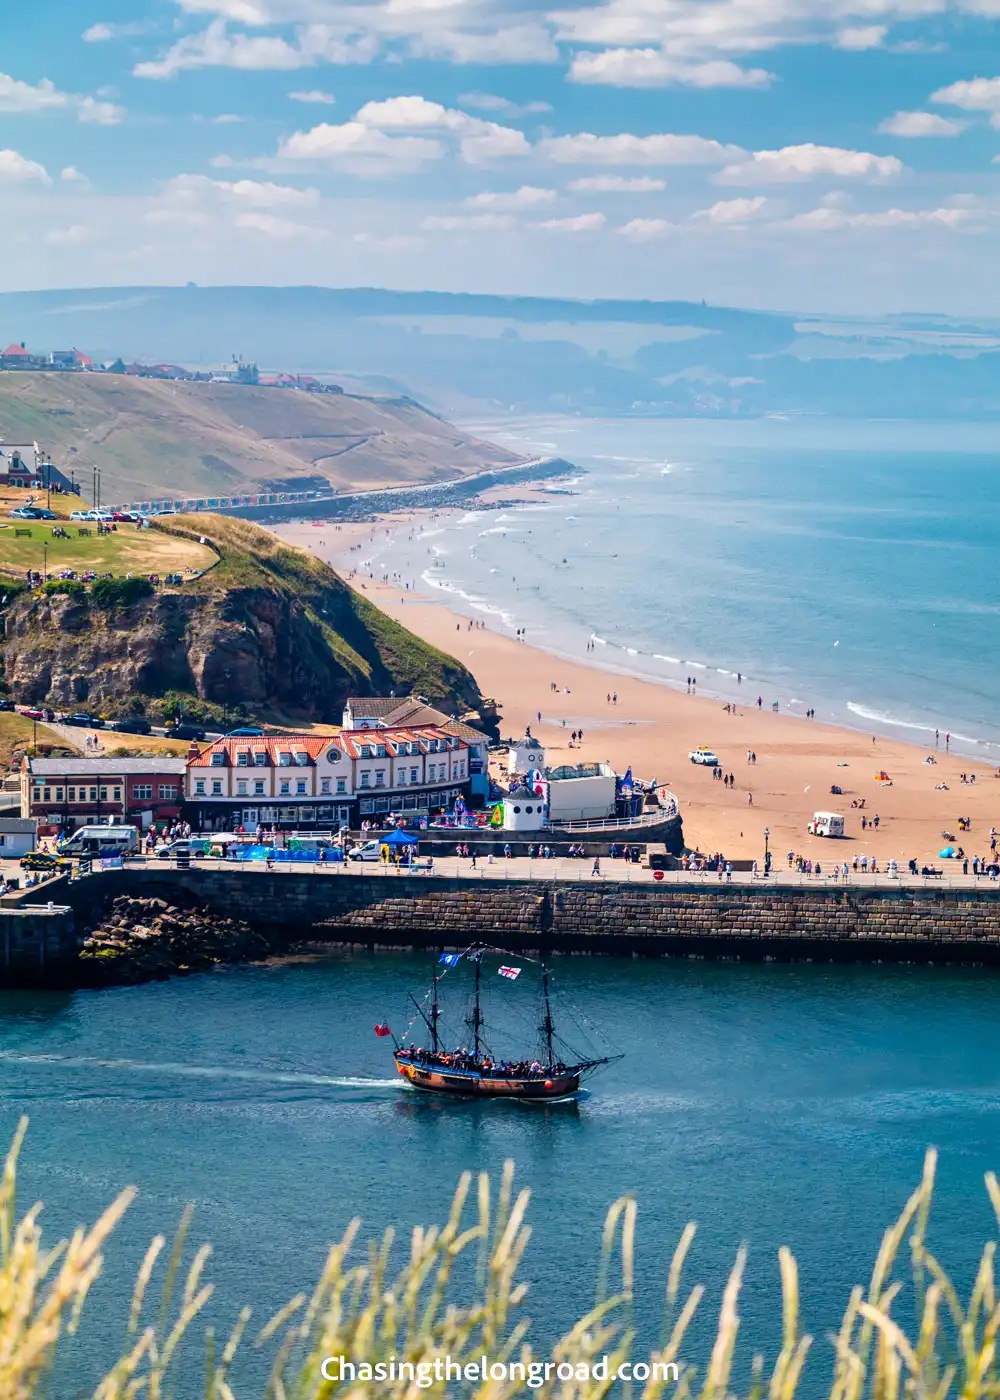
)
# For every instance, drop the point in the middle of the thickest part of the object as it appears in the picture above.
(602, 917)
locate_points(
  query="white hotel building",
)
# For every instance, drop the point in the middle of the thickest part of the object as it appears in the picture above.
(331, 781)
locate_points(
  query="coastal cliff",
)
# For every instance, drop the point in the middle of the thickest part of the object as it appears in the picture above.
(268, 626)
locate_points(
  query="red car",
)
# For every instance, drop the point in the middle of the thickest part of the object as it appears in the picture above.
(124, 516)
(33, 713)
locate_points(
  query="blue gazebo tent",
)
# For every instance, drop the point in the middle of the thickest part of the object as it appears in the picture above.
(399, 838)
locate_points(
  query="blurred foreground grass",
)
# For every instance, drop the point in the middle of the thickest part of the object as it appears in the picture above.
(358, 1310)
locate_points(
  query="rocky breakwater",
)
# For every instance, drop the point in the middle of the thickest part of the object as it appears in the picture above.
(141, 939)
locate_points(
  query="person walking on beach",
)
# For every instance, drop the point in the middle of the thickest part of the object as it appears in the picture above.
(750, 798)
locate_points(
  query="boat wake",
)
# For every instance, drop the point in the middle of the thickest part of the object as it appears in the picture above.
(259, 1076)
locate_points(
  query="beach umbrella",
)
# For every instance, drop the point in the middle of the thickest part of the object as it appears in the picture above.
(947, 853)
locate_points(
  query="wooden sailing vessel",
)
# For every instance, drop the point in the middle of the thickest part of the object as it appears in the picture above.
(552, 1071)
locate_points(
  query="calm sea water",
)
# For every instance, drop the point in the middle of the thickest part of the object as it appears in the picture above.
(847, 567)
(770, 1104)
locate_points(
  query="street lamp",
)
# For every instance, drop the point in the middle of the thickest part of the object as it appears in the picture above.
(45, 561)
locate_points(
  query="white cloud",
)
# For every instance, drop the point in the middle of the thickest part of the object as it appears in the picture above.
(733, 211)
(467, 223)
(626, 149)
(479, 140)
(809, 161)
(16, 96)
(261, 194)
(216, 47)
(227, 119)
(101, 33)
(618, 184)
(577, 223)
(72, 176)
(857, 38)
(325, 99)
(830, 219)
(914, 124)
(525, 198)
(489, 102)
(270, 226)
(656, 68)
(99, 113)
(643, 230)
(529, 42)
(359, 149)
(66, 237)
(17, 168)
(971, 94)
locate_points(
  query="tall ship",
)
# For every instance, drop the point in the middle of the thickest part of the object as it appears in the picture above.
(489, 1060)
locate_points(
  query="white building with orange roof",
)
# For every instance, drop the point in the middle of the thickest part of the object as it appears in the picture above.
(305, 780)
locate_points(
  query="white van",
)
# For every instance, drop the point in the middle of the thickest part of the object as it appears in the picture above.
(826, 824)
(100, 841)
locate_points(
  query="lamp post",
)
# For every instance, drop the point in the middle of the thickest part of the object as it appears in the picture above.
(45, 561)
(767, 855)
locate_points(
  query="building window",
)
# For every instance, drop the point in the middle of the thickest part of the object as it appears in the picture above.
(142, 792)
(242, 759)
(258, 788)
(300, 787)
(402, 777)
(284, 759)
(341, 785)
(324, 785)
(72, 794)
(284, 790)
(217, 788)
(380, 777)
(168, 792)
(414, 775)
(218, 758)
(59, 794)
(47, 794)
(241, 788)
(199, 787)
(118, 794)
(93, 794)
(104, 794)
(365, 779)
(461, 769)
(260, 759)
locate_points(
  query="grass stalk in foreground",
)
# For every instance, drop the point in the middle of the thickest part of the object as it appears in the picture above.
(360, 1310)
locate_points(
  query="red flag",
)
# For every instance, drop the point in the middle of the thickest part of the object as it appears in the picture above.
(381, 1029)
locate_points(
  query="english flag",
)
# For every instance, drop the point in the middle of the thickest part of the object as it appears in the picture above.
(381, 1029)
(510, 972)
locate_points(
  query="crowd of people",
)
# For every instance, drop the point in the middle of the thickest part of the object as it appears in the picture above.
(464, 1059)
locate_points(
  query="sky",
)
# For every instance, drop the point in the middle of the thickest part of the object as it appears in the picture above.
(834, 155)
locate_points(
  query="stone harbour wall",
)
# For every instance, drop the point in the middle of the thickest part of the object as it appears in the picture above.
(389, 910)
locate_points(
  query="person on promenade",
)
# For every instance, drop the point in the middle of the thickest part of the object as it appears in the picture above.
(596, 869)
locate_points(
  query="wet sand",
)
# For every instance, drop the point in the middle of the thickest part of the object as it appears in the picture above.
(653, 727)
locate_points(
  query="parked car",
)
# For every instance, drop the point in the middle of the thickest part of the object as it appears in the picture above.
(83, 515)
(134, 725)
(33, 712)
(6, 704)
(250, 731)
(81, 720)
(704, 756)
(185, 731)
(42, 860)
(124, 516)
(24, 513)
(371, 850)
(42, 514)
(184, 846)
(102, 515)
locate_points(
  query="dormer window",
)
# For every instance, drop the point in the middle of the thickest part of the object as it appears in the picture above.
(284, 759)
(260, 759)
(243, 759)
(218, 758)
(301, 757)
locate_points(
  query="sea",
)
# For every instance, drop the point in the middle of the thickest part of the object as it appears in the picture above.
(846, 567)
(771, 1104)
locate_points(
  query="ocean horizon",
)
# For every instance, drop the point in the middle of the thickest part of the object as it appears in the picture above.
(831, 565)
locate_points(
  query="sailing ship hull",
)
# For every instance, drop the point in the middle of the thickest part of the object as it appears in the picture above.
(477, 1085)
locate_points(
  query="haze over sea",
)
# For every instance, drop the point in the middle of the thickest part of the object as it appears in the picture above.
(843, 566)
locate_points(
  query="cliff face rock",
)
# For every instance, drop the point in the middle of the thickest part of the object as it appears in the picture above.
(297, 653)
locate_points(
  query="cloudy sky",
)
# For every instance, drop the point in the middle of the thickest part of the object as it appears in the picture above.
(803, 154)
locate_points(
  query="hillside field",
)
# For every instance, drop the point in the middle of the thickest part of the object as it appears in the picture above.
(126, 550)
(155, 438)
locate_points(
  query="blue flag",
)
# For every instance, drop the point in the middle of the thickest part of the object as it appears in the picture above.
(450, 959)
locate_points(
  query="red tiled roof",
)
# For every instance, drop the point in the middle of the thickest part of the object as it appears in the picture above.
(350, 742)
(15, 350)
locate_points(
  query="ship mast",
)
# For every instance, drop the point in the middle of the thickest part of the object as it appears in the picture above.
(477, 1015)
(435, 1014)
(547, 1023)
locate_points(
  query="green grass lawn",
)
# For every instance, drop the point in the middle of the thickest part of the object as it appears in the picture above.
(16, 732)
(127, 550)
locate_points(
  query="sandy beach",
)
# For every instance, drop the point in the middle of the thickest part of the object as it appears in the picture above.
(653, 728)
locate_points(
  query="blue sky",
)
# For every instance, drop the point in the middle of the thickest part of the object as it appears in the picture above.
(803, 154)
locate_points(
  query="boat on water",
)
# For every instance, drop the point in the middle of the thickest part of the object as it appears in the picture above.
(551, 1070)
